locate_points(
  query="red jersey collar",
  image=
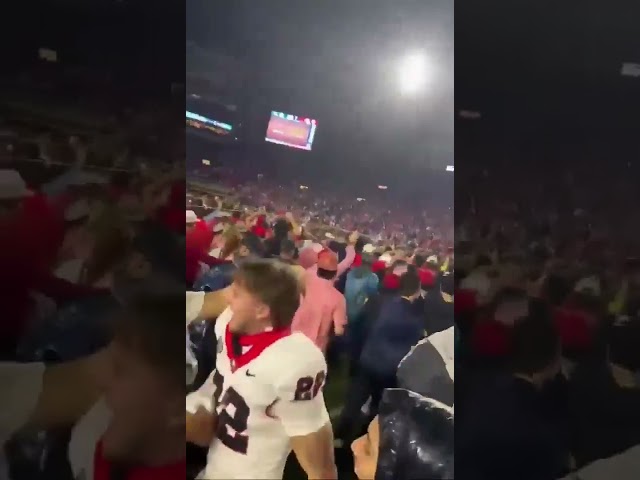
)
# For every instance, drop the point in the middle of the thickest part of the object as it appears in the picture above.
(257, 343)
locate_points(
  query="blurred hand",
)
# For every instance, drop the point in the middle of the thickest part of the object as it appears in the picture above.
(353, 238)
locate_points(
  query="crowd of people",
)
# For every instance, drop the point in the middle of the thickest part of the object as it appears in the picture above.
(547, 292)
(323, 305)
(545, 329)
(94, 264)
(378, 216)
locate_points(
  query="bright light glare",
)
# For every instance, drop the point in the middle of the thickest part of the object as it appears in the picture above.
(412, 73)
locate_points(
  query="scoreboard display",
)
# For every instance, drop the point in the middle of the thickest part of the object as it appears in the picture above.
(291, 130)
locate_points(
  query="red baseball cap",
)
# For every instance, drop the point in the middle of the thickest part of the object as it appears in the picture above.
(327, 260)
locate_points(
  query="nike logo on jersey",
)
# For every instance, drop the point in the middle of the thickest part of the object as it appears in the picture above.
(249, 374)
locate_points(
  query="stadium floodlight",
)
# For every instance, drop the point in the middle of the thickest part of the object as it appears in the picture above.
(412, 73)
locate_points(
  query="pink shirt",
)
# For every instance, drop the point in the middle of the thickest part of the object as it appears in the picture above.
(321, 307)
(344, 265)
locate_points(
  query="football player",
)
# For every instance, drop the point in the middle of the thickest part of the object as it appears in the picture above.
(264, 398)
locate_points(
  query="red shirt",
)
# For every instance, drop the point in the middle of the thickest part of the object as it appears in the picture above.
(391, 282)
(427, 277)
(40, 227)
(465, 301)
(29, 245)
(378, 266)
(172, 213)
(193, 258)
(574, 329)
(490, 339)
(259, 231)
(172, 218)
(177, 194)
(198, 243)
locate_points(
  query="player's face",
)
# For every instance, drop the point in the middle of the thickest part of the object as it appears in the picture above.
(365, 452)
(249, 314)
(141, 404)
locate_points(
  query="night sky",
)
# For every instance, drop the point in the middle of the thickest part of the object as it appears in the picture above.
(546, 77)
(335, 61)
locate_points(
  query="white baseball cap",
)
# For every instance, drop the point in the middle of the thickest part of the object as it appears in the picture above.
(369, 248)
(13, 186)
(479, 282)
(191, 217)
(386, 258)
(433, 259)
(588, 285)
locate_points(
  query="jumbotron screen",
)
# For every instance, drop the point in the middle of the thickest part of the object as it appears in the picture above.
(200, 122)
(291, 130)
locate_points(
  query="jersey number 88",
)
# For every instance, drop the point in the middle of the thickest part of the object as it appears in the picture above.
(307, 388)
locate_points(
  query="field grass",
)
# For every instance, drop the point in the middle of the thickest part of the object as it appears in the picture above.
(336, 387)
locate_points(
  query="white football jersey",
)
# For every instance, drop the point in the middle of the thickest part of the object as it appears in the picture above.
(261, 405)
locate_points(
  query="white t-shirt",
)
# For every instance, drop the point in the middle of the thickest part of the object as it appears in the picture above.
(276, 396)
(22, 387)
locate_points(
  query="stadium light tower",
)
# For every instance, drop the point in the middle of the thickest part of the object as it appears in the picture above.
(412, 73)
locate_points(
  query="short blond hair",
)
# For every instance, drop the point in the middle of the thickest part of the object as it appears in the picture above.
(275, 284)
